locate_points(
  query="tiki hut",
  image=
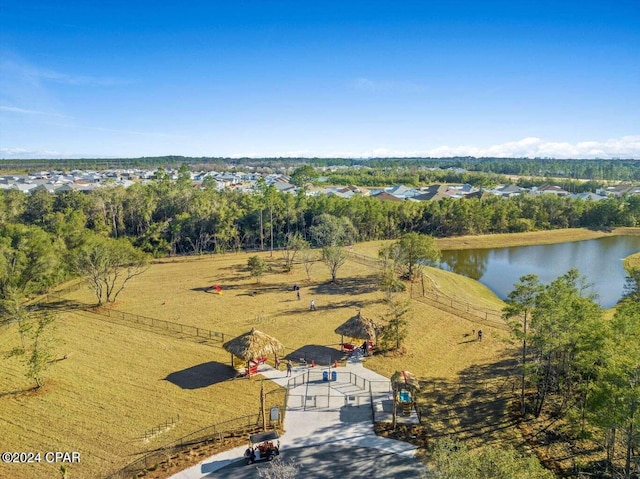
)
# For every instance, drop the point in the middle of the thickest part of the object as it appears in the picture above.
(252, 346)
(358, 327)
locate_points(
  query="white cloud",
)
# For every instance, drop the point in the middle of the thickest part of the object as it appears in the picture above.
(18, 69)
(531, 147)
(25, 154)
(25, 111)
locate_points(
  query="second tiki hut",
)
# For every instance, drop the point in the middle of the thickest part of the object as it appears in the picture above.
(252, 347)
(358, 327)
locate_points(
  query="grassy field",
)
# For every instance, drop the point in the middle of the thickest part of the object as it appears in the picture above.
(113, 385)
(176, 291)
(118, 382)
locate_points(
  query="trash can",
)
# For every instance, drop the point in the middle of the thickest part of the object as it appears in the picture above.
(325, 375)
(334, 375)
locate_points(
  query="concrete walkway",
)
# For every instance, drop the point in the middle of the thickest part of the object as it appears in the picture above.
(336, 424)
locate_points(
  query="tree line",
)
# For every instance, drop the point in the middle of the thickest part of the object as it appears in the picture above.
(168, 217)
(586, 169)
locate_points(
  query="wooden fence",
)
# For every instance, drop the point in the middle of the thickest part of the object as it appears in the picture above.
(463, 309)
(216, 433)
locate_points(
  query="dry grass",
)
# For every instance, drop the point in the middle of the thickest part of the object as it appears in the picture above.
(175, 291)
(504, 240)
(632, 261)
(113, 387)
(109, 391)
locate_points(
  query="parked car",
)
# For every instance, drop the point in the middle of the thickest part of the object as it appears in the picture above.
(265, 445)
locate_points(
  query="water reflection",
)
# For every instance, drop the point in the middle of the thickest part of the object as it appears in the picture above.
(472, 264)
(599, 260)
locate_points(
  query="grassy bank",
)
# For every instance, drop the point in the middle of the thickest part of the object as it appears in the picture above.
(505, 240)
(115, 385)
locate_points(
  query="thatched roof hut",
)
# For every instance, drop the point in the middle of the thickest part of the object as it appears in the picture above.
(359, 327)
(252, 345)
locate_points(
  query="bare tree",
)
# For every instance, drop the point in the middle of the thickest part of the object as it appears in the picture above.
(295, 245)
(308, 258)
(108, 265)
(334, 257)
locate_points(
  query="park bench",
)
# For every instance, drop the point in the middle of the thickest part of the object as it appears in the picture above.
(348, 347)
(253, 366)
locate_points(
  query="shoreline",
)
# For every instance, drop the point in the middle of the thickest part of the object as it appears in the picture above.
(530, 238)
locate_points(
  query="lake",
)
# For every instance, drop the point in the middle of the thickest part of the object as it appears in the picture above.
(599, 260)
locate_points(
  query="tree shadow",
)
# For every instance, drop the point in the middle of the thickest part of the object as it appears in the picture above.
(60, 304)
(321, 355)
(205, 289)
(246, 290)
(18, 392)
(326, 460)
(351, 286)
(476, 406)
(201, 375)
(347, 305)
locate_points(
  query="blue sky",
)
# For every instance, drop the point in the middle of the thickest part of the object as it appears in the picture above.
(346, 78)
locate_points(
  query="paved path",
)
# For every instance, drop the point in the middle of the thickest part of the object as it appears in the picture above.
(333, 461)
(327, 442)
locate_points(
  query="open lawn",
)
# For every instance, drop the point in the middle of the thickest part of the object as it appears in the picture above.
(118, 382)
(178, 291)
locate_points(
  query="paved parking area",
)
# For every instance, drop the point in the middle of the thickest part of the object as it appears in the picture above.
(330, 439)
(344, 462)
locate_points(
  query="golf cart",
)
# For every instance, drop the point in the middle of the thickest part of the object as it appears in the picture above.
(265, 445)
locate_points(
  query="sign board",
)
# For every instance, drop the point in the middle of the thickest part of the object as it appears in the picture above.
(275, 413)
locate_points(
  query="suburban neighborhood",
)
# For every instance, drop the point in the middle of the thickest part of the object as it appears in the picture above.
(86, 181)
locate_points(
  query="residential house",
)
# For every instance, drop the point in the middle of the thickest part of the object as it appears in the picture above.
(621, 190)
(549, 189)
(588, 196)
(384, 196)
(507, 191)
